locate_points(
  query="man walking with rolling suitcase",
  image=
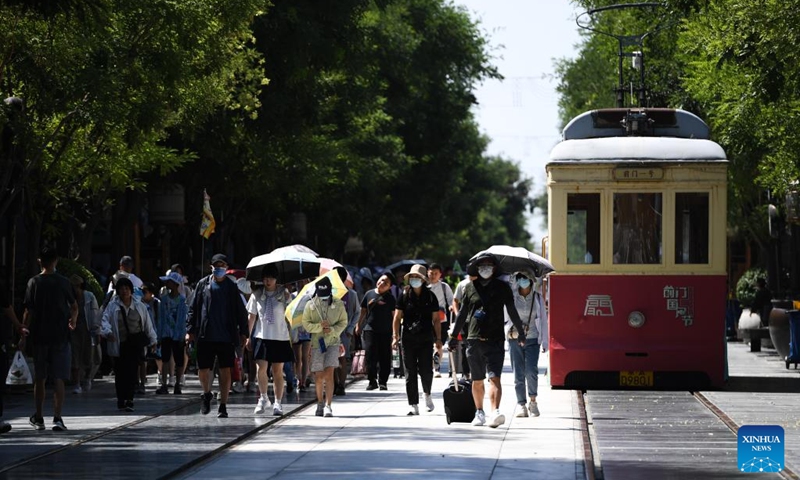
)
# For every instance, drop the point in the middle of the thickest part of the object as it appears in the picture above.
(483, 303)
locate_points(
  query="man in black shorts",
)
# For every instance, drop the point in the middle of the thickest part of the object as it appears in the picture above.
(51, 311)
(483, 303)
(218, 321)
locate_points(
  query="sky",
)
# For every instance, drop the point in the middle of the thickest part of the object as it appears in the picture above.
(520, 113)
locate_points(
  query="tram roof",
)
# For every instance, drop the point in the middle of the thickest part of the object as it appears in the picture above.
(637, 149)
(620, 122)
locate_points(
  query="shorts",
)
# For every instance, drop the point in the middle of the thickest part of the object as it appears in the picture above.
(444, 327)
(485, 358)
(320, 361)
(82, 350)
(273, 351)
(207, 351)
(52, 360)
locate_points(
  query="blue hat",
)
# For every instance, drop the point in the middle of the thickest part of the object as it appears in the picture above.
(172, 277)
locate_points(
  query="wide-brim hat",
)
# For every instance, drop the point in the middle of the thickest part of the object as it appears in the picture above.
(418, 269)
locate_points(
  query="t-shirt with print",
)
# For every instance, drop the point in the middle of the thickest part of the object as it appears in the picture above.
(417, 312)
(270, 308)
(49, 298)
(380, 309)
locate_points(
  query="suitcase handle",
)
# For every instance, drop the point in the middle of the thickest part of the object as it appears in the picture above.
(453, 369)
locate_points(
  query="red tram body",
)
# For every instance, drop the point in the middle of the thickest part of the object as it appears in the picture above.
(637, 221)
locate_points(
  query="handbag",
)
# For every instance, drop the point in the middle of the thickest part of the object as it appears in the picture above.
(513, 334)
(359, 364)
(138, 339)
(19, 373)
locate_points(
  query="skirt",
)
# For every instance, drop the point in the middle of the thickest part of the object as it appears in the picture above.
(273, 351)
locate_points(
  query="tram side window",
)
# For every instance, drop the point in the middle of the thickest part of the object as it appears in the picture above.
(583, 228)
(637, 228)
(691, 228)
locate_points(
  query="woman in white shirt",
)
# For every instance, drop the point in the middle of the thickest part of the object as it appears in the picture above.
(525, 360)
(270, 337)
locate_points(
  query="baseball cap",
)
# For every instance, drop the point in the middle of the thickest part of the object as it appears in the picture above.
(219, 257)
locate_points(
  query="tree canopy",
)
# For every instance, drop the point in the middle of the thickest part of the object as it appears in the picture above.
(355, 114)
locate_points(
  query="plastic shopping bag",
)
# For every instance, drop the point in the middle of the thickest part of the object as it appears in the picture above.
(19, 373)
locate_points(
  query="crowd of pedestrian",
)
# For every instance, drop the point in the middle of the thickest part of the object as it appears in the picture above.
(402, 320)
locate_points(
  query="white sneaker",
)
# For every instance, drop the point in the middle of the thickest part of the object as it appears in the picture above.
(429, 402)
(328, 411)
(170, 380)
(277, 410)
(533, 408)
(497, 419)
(523, 412)
(158, 380)
(437, 374)
(77, 389)
(262, 406)
(413, 410)
(480, 418)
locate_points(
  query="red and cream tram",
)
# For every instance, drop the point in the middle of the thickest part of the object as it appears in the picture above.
(637, 224)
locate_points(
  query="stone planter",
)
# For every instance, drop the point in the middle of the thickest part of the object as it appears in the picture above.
(779, 331)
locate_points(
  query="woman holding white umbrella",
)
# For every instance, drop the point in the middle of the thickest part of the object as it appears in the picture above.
(270, 339)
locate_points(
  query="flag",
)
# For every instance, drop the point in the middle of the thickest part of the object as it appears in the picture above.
(207, 224)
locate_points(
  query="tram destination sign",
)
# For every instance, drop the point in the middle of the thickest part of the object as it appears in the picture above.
(638, 174)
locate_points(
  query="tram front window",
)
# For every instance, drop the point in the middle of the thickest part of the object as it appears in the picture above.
(691, 228)
(583, 228)
(637, 228)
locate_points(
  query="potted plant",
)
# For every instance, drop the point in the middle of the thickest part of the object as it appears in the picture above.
(746, 294)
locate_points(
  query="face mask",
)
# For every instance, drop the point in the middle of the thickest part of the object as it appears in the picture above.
(219, 272)
(485, 272)
(524, 282)
(324, 299)
(415, 282)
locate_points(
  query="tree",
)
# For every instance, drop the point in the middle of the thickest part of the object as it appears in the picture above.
(102, 90)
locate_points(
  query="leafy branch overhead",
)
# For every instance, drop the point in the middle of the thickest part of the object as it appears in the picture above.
(355, 113)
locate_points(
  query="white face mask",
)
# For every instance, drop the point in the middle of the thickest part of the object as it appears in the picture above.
(485, 272)
(415, 282)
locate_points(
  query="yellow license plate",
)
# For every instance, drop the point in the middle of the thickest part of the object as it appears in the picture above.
(635, 379)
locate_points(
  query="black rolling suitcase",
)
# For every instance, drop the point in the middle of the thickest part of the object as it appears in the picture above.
(794, 338)
(459, 405)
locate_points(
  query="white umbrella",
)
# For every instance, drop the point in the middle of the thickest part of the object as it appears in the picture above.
(515, 259)
(292, 266)
(295, 248)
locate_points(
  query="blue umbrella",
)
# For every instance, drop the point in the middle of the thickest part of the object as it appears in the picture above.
(406, 263)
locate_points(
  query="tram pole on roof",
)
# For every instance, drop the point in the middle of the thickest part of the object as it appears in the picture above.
(625, 43)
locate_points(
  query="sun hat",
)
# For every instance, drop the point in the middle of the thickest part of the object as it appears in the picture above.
(418, 269)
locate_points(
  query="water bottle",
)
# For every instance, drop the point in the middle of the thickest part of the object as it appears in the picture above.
(395, 358)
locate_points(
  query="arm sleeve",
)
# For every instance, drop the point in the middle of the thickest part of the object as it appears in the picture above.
(341, 323)
(311, 320)
(241, 314)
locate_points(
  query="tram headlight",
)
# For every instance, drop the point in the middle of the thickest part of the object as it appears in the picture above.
(636, 319)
